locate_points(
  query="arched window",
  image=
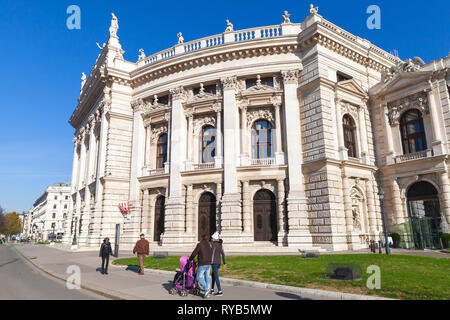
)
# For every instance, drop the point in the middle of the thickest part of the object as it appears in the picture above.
(208, 144)
(413, 132)
(262, 139)
(161, 151)
(349, 135)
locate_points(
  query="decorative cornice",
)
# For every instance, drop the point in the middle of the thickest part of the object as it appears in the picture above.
(260, 113)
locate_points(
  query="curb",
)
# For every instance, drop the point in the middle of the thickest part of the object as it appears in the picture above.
(110, 294)
(260, 285)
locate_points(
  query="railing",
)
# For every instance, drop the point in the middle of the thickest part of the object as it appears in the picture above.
(263, 162)
(204, 166)
(216, 40)
(414, 156)
(153, 172)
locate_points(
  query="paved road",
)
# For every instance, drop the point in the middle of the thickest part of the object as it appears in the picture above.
(19, 280)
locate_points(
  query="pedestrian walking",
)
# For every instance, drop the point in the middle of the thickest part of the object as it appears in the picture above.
(105, 252)
(142, 248)
(217, 245)
(204, 252)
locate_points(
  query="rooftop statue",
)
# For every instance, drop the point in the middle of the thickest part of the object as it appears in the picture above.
(286, 17)
(114, 26)
(180, 38)
(142, 54)
(83, 79)
(230, 27)
(313, 10)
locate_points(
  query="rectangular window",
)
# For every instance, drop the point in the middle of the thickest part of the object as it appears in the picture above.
(343, 77)
(268, 81)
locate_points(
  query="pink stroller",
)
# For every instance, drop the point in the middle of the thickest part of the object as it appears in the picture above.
(185, 281)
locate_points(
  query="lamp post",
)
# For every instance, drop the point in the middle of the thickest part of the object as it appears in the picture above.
(383, 214)
(74, 242)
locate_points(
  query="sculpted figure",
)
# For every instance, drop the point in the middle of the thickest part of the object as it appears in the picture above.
(312, 9)
(286, 17)
(230, 27)
(180, 38)
(114, 26)
(142, 54)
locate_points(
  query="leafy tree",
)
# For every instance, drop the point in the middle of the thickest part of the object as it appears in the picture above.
(13, 224)
(2, 220)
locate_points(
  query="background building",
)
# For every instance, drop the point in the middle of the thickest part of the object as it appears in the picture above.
(275, 136)
(50, 212)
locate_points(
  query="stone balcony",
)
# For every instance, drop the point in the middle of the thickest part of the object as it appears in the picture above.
(413, 156)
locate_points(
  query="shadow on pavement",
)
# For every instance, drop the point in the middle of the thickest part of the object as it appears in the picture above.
(134, 269)
(167, 286)
(9, 262)
(290, 296)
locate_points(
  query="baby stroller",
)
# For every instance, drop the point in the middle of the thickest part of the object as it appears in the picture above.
(185, 281)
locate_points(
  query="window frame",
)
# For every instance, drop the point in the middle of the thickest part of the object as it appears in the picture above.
(161, 158)
(257, 146)
(204, 147)
(347, 129)
(407, 147)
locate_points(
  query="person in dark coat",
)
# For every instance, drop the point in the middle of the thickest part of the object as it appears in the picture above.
(105, 252)
(215, 262)
(204, 252)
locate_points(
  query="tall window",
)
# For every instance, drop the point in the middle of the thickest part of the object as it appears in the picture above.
(208, 144)
(161, 151)
(350, 135)
(262, 139)
(413, 132)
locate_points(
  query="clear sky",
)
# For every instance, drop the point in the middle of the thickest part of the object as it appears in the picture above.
(41, 62)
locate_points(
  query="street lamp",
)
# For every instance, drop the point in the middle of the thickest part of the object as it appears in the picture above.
(383, 214)
(74, 242)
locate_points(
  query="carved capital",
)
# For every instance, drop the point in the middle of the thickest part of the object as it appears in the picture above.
(290, 76)
(229, 83)
(138, 105)
(276, 101)
(178, 93)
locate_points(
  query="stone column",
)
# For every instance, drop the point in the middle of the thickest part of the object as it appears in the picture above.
(246, 206)
(148, 145)
(146, 213)
(169, 143)
(445, 201)
(175, 205)
(190, 141)
(279, 154)
(231, 201)
(190, 210)
(74, 187)
(436, 143)
(363, 135)
(347, 206)
(245, 156)
(371, 208)
(299, 234)
(137, 151)
(389, 140)
(219, 138)
(397, 215)
(281, 212)
(342, 150)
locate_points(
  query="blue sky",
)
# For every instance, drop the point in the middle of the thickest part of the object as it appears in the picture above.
(41, 62)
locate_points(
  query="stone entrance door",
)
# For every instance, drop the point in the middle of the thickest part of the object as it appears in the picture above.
(206, 215)
(159, 218)
(265, 216)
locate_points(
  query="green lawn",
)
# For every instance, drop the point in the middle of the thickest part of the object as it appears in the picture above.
(402, 276)
(46, 243)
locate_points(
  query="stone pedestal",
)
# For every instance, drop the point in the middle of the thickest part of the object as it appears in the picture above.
(244, 159)
(279, 158)
(231, 220)
(174, 231)
(299, 234)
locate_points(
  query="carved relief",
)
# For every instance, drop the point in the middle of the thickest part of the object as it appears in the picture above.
(229, 83)
(178, 93)
(350, 109)
(200, 122)
(357, 205)
(259, 113)
(417, 101)
(290, 76)
(157, 131)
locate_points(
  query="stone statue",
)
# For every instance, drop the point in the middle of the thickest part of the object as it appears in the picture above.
(313, 10)
(83, 79)
(100, 47)
(356, 222)
(180, 38)
(114, 26)
(142, 54)
(286, 17)
(230, 27)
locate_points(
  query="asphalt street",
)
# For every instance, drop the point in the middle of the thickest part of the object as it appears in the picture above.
(19, 280)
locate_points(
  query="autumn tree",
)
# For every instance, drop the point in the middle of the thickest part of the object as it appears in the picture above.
(13, 224)
(2, 220)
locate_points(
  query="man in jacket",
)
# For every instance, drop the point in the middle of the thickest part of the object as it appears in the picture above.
(215, 262)
(105, 252)
(142, 248)
(204, 252)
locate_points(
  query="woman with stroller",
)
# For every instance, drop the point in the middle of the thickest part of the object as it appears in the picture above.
(217, 253)
(105, 252)
(204, 252)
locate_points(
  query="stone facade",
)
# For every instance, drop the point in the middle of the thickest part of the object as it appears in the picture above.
(301, 79)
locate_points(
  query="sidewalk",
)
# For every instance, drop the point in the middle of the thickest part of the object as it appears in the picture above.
(125, 283)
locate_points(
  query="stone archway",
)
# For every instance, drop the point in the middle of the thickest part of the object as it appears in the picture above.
(425, 215)
(206, 215)
(265, 216)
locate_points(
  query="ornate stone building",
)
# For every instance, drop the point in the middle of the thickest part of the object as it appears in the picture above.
(276, 136)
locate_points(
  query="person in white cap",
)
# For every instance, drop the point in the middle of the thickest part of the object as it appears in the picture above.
(215, 262)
